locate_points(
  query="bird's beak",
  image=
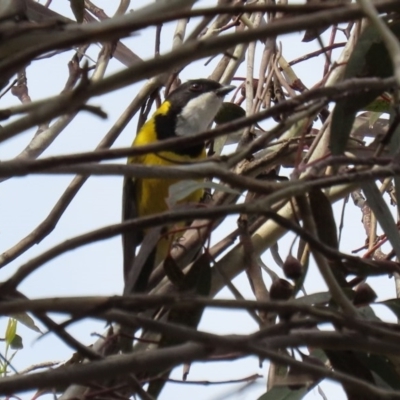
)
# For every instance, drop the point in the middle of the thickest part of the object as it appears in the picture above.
(222, 91)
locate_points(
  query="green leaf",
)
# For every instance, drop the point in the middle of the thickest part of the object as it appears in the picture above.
(11, 330)
(228, 113)
(321, 209)
(27, 321)
(378, 106)
(369, 59)
(393, 305)
(182, 189)
(382, 214)
(368, 313)
(78, 8)
(383, 367)
(394, 147)
(374, 117)
(16, 343)
(315, 298)
(283, 393)
(318, 354)
(220, 188)
(349, 363)
(396, 180)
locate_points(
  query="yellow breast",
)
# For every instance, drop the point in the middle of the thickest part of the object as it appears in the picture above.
(151, 194)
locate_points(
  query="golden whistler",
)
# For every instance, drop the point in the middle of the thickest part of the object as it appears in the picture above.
(188, 110)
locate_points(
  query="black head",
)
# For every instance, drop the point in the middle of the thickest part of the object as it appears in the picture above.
(193, 106)
(189, 90)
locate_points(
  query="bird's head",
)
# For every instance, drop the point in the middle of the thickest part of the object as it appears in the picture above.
(191, 108)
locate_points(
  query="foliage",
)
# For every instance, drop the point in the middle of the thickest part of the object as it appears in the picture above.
(282, 151)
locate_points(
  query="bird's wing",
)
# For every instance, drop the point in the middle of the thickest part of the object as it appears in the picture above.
(137, 269)
(144, 263)
(131, 238)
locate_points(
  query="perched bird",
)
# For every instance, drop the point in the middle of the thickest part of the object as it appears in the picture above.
(188, 110)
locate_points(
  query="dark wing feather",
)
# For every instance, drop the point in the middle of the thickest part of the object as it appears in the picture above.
(131, 238)
(137, 269)
(143, 265)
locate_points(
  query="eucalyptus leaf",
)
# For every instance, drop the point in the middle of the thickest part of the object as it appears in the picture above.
(228, 113)
(382, 214)
(368, 313)
(374, 116)
(16, 343)
(27, 321)
(394, 149)
(283, 393)
(369, 59)
(383, 367)
(78, 8)
(379, 105)
(11, 330)
(315, 298)
(393, 305)
(182, 189)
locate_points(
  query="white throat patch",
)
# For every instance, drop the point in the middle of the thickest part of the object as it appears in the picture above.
(198, 114)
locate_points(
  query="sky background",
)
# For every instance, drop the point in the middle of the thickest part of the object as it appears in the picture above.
(96, 269)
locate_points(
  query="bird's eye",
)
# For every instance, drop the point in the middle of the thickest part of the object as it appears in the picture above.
(195, 87)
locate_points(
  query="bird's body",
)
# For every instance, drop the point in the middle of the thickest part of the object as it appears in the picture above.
(151, 194)
(188, 110)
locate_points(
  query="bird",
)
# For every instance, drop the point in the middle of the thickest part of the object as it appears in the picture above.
(186, 111)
